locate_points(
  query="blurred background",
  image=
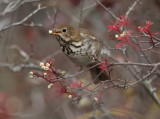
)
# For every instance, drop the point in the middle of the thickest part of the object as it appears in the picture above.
(24, 39)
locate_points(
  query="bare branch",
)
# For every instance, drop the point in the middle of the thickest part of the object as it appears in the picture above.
(147, 84)
(131, 8)
(139, 64)
(25, 19)
(21, 52)
(32, 25)
(107, 9)
(89, 6)
(18, 68)
(81, 12)
(152, 91)
(143, 80)
(11, 7)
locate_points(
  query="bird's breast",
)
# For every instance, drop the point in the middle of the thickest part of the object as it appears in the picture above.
(82, 55)
(80, 52)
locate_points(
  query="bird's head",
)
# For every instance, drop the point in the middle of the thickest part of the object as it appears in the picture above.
(64, 31)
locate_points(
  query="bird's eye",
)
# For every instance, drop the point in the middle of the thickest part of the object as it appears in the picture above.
(64, 30)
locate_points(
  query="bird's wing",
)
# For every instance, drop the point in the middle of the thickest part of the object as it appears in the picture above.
(87, 34)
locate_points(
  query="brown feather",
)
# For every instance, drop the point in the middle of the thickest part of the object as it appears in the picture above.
(97, 75)
(82, 47)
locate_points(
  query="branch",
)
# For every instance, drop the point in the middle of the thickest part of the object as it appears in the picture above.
(152, 91)
(25, 19)
(108, 10)
(32, 25)
(131, 8)
(139, 64)
(17, 68)
(147, 84)
(142, 80)
(11, 7)
(145, 56)
(53, 21)
(88, 7)
(20, 51)
(81, 12)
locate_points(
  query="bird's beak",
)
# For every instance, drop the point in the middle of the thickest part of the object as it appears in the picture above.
(53, 32)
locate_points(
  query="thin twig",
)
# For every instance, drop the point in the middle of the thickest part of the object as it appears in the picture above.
(147, 84)
(18, 68)
(139, 64)
(12, 6)
(55, 16)
(25, 19)
(32, 25)
(131, 8)
(143, 80)
(89, 6)
(81, 12)
(107, 9)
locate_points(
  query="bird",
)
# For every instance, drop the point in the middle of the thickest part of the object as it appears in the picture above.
(83, 48)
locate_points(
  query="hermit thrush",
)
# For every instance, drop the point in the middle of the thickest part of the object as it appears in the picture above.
(82, 47)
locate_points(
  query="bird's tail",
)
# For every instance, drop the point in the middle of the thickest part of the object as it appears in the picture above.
(97, 75)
